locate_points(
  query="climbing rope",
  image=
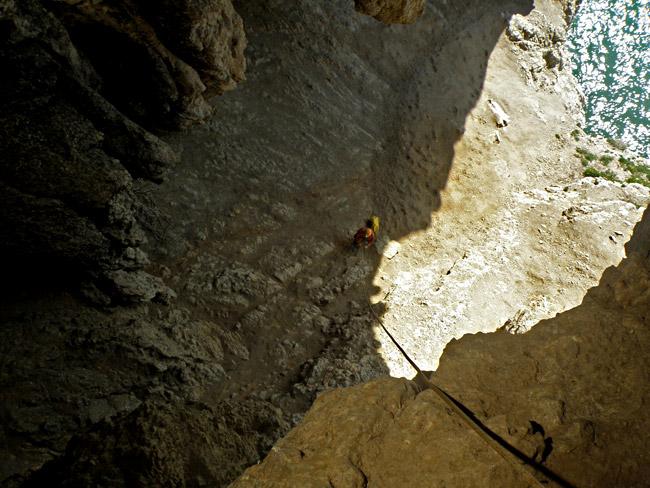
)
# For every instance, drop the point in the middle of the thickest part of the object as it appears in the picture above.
(529, 468)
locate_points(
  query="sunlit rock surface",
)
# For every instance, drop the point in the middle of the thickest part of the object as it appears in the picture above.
(520, 234)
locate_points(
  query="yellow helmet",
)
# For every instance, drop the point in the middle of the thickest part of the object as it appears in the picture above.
(373, 223)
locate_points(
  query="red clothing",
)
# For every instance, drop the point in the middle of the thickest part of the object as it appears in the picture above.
(364, 237)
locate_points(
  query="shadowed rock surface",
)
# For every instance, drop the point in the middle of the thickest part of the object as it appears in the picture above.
(157, 59)
(70, 155)
(391, 11)
(146, 448)
(82, 79)
(275, 315)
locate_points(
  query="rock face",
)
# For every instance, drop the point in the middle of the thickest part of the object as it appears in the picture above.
(520, 233)
(113, 362)
(569, 394)
(209, 35)
(383, 433)
(341, 117)
(143, 448)
(68, 198)
(83, 79)
(391, 11)
(156, 59)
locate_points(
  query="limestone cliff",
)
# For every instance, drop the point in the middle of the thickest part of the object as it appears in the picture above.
(459, 130)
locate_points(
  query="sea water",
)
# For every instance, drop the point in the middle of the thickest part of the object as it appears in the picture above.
(610, 45)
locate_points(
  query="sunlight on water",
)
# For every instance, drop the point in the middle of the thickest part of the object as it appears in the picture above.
(610, 44)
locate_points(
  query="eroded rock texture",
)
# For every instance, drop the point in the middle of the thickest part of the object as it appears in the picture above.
(71, 71)
(263, 293)
(391, 11)
(570, 394)
(208, 34)
(142, 449)
(157, 59)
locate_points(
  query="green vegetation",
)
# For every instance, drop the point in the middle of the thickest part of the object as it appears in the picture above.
(594, 173)
(575, 133)
(606, 159)
(585, 156)
(639, 169)
(589, 156)
(621, 146)
(609, 175)
(639, 173)
(636, 179)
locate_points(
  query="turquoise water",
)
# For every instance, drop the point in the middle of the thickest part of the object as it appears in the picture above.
(610, 44)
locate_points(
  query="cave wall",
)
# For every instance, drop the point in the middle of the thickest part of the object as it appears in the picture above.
(88, 84)
(85, 85)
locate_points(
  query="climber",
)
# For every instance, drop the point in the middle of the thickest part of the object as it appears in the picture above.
(367, 235)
